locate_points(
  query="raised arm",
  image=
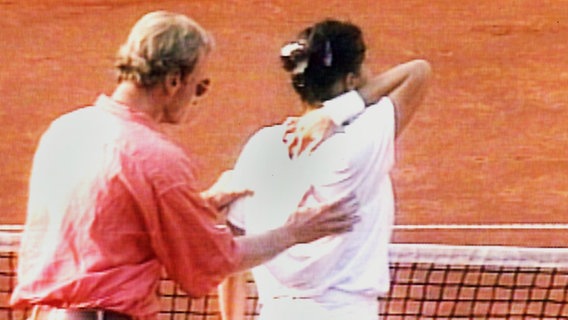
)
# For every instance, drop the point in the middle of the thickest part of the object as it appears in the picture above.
(404, 84)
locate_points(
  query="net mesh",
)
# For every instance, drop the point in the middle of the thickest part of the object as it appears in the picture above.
(428, 282)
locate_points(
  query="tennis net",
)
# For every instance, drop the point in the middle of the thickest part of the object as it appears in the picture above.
(428, 282)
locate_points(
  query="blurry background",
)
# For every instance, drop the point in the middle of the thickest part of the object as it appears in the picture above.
(488, 146)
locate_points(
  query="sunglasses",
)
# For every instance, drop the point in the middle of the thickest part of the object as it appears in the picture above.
(202, 87)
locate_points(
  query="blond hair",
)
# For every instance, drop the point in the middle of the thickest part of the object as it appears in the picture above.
(161, 43)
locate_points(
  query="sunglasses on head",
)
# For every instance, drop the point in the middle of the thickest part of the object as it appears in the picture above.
(202, 87)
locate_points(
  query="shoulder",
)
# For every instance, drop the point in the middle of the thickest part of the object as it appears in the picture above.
(264, 155)
(382, 112)
(376, 123)
(158, 153)
(268, 134)
(366, 138)
(77, 119)
(264, 142)
(149, 154)
(160, 163)
(73, 130)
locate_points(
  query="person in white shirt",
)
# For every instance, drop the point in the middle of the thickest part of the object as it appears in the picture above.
(346, 145)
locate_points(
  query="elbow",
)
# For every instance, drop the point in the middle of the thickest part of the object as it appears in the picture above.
(423, 69)
(420, 75)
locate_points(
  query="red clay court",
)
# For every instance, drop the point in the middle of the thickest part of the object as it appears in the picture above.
(489, 145)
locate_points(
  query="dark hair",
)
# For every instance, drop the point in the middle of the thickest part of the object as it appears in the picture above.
(323, 54)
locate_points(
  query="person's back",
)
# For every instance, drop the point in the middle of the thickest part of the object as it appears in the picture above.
(356, 159)
(337, 277)
(90, 228)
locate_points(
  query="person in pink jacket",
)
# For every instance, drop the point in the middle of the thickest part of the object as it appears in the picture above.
(113, 201)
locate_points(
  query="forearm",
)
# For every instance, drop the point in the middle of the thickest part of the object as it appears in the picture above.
(393, 81)
(303, 226)
(399, 83)
(257, 249)
(410, 93)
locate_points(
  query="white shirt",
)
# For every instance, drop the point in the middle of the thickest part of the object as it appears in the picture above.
(356, 159)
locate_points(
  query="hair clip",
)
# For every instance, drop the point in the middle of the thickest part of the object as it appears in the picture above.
(296, 53)
(328, 55)
(292, 48)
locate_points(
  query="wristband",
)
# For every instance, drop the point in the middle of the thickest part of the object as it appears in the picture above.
(344, 107)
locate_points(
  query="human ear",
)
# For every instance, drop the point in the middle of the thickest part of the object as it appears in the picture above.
(351, 81)
(172, 82)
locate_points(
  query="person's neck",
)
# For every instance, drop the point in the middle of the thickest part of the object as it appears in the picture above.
(309, 107)
(336, 90)
(137, 98)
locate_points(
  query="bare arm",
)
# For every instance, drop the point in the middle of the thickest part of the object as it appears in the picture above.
(306, 225)
(224, 191)
(232, 291)
(404, 84)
